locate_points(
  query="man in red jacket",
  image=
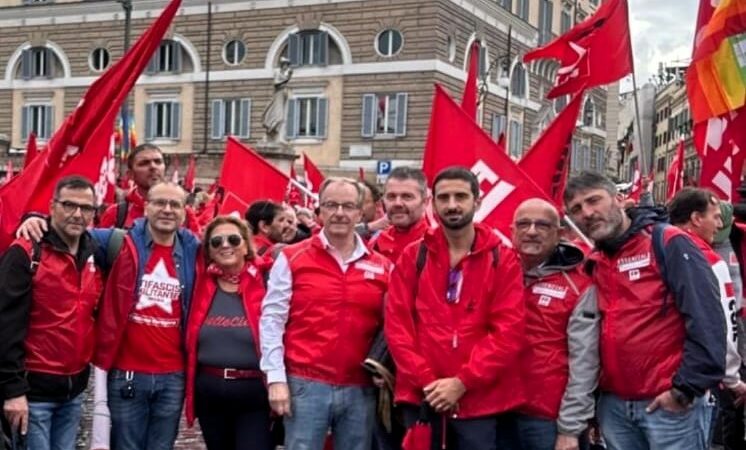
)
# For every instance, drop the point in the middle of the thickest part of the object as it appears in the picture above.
(454, 322)
(323, 307)
(48, 294)
(560, 364)
(404, 198)
(662, 328)
(146, 167)
(269, 222)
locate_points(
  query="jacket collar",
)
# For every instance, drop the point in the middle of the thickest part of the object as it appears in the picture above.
(321, 241)
(141, 233)
(86, 247)
(566, 256)
(485, 239)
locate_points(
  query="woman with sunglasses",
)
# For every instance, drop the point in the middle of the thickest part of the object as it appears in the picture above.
(225, 389)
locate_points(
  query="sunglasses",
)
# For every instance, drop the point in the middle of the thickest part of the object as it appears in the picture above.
(233, 240)
(455, 280)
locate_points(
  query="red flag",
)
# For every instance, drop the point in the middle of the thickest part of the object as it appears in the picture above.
(361, 174)
(293, 197)
(190, 174)
(455, 139)
(31, 150)
(501, 141)
(314, 177)
(719, 142)
(266, 182)
(81, 145)
(469, 99)
(175, 165)
(548, 160)
(675, 176)
(419, 437)
(594, 52)
(232, 205)
(636, 189)
(8, 170)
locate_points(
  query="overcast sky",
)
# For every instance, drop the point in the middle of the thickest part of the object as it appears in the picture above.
(662, 31)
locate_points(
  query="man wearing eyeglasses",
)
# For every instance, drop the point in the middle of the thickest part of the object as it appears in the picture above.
(560, 363)
(454, 322)
(323, 307)
(48, 293)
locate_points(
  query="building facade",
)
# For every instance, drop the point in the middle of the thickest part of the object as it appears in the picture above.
(362, 84)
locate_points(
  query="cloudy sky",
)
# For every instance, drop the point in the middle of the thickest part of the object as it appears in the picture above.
(662, 31)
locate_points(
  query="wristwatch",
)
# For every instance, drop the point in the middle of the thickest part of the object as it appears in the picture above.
(681, 397)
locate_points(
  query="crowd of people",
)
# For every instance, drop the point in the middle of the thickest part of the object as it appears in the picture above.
(258, 327)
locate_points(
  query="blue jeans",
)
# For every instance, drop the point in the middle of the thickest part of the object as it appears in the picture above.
(537, 433)
(626, 426)
(149, 420)
(54, 425)
(348, 410)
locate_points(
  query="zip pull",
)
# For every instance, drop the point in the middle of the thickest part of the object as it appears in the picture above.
(454, 341)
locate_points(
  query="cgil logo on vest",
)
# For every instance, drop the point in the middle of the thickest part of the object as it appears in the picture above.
(634, 262)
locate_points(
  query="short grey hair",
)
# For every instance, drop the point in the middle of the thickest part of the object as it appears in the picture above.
(329, 181)
(404, 173)
(586, 181)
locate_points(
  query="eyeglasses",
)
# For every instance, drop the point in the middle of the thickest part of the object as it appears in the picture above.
(453, 291)
(233, 240)
(333, 207)
(541, 226)
(70, 207)
(161, 203)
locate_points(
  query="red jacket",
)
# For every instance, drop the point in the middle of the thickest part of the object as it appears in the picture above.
(135, 210)
(391, 242)
(334, 316)
(60, 337)
(252, 292)
(656, 333)
(552, 294)
(477, 340)
(263, 245)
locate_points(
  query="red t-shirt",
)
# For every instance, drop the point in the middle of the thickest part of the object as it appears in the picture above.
(152, 339)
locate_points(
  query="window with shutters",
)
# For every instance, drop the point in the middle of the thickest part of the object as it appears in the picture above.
(519, 81)
(575, 161)
(384, 115)
(545, 21)
(163, 121)
(167, 59)
(522, 9)
(499, 125)
(515, 145)
(600, 159)
(231, 117)
(308, 48)
(37, 62)
(589, 113)
(565, 21)
(507, 4)
(307, 117)
(37, 119)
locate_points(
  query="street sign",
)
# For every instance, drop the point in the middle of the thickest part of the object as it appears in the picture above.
(383, 167)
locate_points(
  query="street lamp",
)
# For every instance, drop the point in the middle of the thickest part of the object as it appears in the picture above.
(127, 7)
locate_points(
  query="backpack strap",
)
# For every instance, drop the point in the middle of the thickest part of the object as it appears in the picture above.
(35, 257)
(659, 248)
(122, 208)
(495, 257)
(114, 245)
(421, 258)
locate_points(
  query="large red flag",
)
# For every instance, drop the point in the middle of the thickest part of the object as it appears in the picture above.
(594, 52)
(455, 139)
(293, 197)
(81, 145)
(314, 177)
(675, 175)
(257, 178)
(191, 173)
(9, 170)
(548, 160)
(469, 99)
(31, 150)
(636, 189)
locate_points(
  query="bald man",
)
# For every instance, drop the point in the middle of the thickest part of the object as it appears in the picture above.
(560, 364)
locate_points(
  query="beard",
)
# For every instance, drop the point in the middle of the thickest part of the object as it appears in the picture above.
(466, 219)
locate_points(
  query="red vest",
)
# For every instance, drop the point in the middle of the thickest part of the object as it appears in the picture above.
(642, 331)
(392, 242)
(60, 337)
(334, 316)
(550, 301)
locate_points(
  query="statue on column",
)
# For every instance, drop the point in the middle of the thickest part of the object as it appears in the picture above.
(273, 119)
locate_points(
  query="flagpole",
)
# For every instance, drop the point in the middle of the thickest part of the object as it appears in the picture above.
(577, 231)
(643, 165)
(304, 189)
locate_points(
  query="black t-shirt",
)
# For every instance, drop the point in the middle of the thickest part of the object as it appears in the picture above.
(225, 339)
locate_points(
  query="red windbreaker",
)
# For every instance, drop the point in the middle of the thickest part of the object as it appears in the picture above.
(477, 339)
(391, 242)
(135, 210)
(252, 292)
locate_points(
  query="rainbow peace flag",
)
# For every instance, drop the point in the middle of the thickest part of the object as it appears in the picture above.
(716, 79)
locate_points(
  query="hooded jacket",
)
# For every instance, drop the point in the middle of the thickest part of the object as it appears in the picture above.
(561, 363)
(657, 330)
(478, 339)
(391, 242)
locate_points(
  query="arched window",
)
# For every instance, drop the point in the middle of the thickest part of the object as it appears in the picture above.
(519, 81)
